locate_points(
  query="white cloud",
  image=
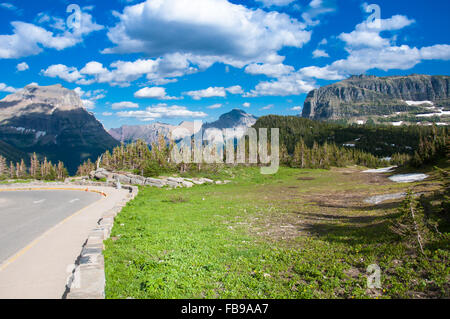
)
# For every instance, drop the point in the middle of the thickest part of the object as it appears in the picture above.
(320, 73)
(215, 106)
(162, 110)
(88, 104)
(28, 39)
(267, 107)
(297, 108)
(6, 88)
(293, 84)
(367, 34)
(93, 68)
(219, 31)
(436, 52)
(124, 105)
(236, 89)
(69, 74)
(246, 104)
(320, 54)
(154, 92)
(206, 93)
(22, 67)
(107, 114)
(315, 9)
(158, 71)
(367, 50)
(270, 70)
(215, 92)
(89, 98)
(8, 6)
(277, 3)
(323, 42)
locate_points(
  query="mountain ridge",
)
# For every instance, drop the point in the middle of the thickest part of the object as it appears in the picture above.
(368, 95)
(51, 121)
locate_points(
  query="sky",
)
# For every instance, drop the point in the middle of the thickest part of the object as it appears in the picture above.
(138, 62)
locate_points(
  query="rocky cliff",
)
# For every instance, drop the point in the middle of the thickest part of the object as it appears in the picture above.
(52, 122)
(361, 96)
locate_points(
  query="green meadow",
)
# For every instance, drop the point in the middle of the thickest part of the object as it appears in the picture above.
(297, 234)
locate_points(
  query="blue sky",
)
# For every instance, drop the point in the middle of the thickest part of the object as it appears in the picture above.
(137, 62)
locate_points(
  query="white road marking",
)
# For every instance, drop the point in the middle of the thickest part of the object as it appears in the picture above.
(73, 200)
(39, 201)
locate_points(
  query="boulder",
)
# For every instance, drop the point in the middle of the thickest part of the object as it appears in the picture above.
(155, 181)
(187, 184)
(198, 182)
(207, 180)
(138, 177)
(175, 179)
(173, 184)
(154, 185)
(137, 181)
(121, 178)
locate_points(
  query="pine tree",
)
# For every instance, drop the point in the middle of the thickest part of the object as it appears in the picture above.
(3, 168)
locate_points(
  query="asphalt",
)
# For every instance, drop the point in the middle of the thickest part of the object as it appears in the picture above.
(53, 222)
(25, 215)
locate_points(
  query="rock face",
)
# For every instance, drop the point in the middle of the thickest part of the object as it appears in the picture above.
(370, 95)
(52, 122)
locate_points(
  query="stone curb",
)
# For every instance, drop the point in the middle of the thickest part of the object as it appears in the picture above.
(88, 277)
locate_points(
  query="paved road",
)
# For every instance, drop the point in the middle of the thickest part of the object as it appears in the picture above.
(25, 215)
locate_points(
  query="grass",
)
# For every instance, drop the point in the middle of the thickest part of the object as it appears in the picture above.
(296, 234)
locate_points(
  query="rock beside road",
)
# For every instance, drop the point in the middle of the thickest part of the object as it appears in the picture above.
(132, 179)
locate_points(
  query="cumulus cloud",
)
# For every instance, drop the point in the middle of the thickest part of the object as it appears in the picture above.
(275, 3)
(317, 8)
(367, 33)
(215, 92)
(236, 89)
(293, 84)
(210, 30)
(89, 98)
(318, 53)
(158, 71)
(321, 73)
(297, 108)
(124, 105)
(69, 74)
(367, 50)
(246, 104)
(267, 107)
(162, 110)
(270, 70)
(6, 88)
(215, 106)
(29, 39)
(206, 93)
(154, 92)
(22, 67)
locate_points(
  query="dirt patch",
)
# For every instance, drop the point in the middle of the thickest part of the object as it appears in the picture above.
(306, 178)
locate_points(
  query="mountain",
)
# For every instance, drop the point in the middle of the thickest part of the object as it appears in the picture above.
(51, 121)
(237, 119)
(148, 133)
(413, 98)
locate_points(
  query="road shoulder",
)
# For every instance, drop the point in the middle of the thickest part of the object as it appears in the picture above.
(69, 253)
